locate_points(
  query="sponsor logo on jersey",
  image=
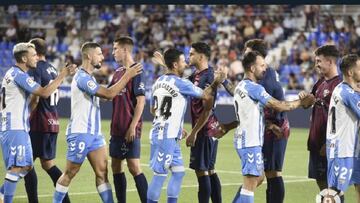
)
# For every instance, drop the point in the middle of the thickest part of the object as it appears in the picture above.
(141, 86)
(30, 82)
(91, 84)
(53, 122)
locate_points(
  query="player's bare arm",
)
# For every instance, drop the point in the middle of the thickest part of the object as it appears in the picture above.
(140, 103)
(111, 92)
(282, 106)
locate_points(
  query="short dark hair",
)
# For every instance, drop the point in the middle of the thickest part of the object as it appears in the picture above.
(348, 61)
(258, 45)
(250, 59)
(40, 46)
(172, 55)
(125, 40)
(328, 51)
(202, 48)
(88, 45)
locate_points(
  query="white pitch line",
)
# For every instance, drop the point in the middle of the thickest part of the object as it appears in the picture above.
(163, 188)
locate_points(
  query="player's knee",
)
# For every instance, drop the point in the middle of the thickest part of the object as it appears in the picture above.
(117, 166)
(134, 169)
(272, 174)
(260, 180)
(201, 173)
(46, 164)
(70, 173)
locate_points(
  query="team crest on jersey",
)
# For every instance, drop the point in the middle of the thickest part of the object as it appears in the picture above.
(358, 105)
(91, 84)
(30, 82)
(326, 92)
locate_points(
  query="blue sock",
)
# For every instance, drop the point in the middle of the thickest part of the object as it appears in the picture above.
(237, 194)
(174, 186)
(215, 188)
(246, 196)
(154, 190)
(105, 193)
(11, 180)
(55, 173)
(2, 189)
(120, 187)
(277, 190)
(141, 186)
(204, 189)
(60, 192)
(31, 183)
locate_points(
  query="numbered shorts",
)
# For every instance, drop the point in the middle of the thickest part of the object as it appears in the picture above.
(120, 149)
(340, 171)
(43, 145)
(251, 161)
(79, 145)
(165, 154)
(16, 148)
(274, 153)
(203, 153)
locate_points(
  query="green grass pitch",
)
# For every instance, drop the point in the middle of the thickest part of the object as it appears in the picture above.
(299, 189)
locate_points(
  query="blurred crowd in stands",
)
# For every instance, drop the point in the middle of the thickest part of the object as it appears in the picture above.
(157, 27)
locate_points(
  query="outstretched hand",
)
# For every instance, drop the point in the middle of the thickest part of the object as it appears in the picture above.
(307, 100)
(158, 59)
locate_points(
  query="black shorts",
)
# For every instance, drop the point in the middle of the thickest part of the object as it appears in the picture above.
(43, 145)
(203, 154)
(317, 166)
(274, 154)
(119, 149)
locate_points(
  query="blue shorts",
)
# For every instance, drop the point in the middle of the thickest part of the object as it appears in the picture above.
(355, 178)
(165, 153)
(16, 148)
(251, 161)
(43, 145)
(317, 166)
(79, 145)
(119, 149)
(340, 172)
(203, 154)
(274, 154)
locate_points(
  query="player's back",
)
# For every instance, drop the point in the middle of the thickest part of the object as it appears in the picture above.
(15, 100)
(343, 123)
(44, 118)
(249, 100)
(85, 108)
(169, 101)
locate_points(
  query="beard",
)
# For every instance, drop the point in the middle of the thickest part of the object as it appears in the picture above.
(97, 66)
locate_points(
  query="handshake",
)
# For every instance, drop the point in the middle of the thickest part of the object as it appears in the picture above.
(306, 99)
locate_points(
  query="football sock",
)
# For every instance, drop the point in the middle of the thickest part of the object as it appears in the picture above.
(246, 196)
(174, 186)
(120, 187)
(55, 173)
(215, 188)
(277, 191)
(31, 183)
(154, 190)
(141, 186)
(105, 192)
(11, 180)
(204, 189)
(60, 192)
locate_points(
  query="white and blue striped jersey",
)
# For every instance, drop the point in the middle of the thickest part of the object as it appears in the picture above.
(342, 133)
(15, 90)
(85, 108)
(169, 99)
(250, 99)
